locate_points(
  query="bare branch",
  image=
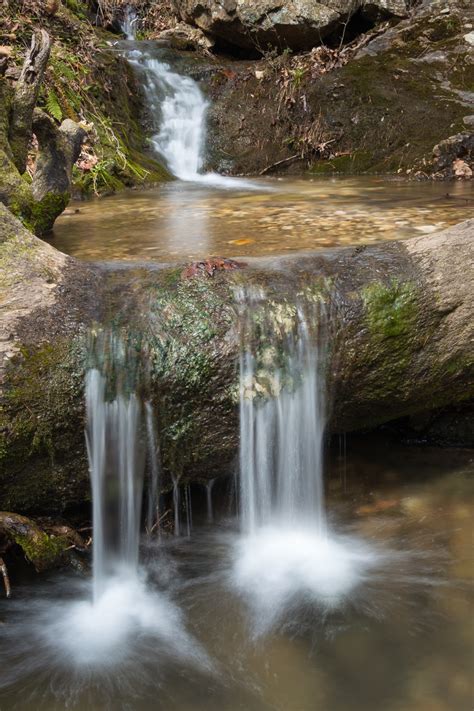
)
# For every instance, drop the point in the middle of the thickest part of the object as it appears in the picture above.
(6, 579)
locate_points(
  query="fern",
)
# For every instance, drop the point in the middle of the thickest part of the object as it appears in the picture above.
(52, 106)
(64, 71)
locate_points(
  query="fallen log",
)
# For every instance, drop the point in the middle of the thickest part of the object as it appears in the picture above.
(40, 549)
(400, 340)
(25, 97)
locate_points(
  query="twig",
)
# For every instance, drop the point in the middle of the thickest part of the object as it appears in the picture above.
(157, 522)
(6, 579)
(279, 162)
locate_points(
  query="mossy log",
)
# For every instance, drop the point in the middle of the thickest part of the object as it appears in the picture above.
(37, 201)
(40, 549)
(400, 343)
(44, 543)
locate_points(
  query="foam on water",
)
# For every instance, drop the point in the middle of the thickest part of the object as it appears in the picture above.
(109, 632)
(278, 567)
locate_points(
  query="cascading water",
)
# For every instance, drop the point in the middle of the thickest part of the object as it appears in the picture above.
(153, 514)
(129, 23)
(124, 613)
(282, 440)
(181, 106)
(116, 466)
(178, 110)
(287, 553)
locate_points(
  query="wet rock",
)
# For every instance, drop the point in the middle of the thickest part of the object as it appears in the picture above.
(469, 38)
(401, 334)
(184, 38)
(454, 157)
(461, 169)
(298, 25)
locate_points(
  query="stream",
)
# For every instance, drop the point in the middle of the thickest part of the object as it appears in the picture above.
(180, 221)
(183, 637)
(314, 577)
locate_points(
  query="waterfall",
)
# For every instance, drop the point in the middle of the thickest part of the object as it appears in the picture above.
(178, 109)
(281, 439)
(128, 25)
(116, 468)
(153, 515)
(181, 106)
(210, 512)
(287, 553)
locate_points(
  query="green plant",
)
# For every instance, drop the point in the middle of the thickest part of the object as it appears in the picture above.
(101, 176)
(298, 76)
(52, 106)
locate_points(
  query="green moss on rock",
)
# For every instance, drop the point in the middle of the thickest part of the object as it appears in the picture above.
(42, 406)
(42, 551)
(390, 308)
(39, 217)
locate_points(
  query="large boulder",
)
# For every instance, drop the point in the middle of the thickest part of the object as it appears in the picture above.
(297, 25)
(401, 333)
(340, 112)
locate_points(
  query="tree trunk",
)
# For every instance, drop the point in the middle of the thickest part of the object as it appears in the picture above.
(60, 148)
(400, 338)
(39, 204)
(25, 97)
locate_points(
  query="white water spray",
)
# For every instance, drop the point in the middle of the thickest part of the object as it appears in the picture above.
(287, 554)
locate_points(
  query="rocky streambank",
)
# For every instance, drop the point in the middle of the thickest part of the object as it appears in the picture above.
(397, 100)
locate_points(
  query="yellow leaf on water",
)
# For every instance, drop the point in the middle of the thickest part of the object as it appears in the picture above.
(241, 241)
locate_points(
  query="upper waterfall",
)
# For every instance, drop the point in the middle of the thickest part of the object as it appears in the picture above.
(181, 106)
(178, 109)
(129, 23)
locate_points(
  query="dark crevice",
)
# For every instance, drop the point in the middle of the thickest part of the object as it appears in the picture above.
(342, 34)
(346, 32)
(232, 51)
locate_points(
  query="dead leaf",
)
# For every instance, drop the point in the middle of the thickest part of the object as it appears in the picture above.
(210, 266)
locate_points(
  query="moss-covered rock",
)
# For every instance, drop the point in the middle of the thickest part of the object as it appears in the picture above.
(399, 332)
(48, 302)
(390, 309)
(379, 110)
